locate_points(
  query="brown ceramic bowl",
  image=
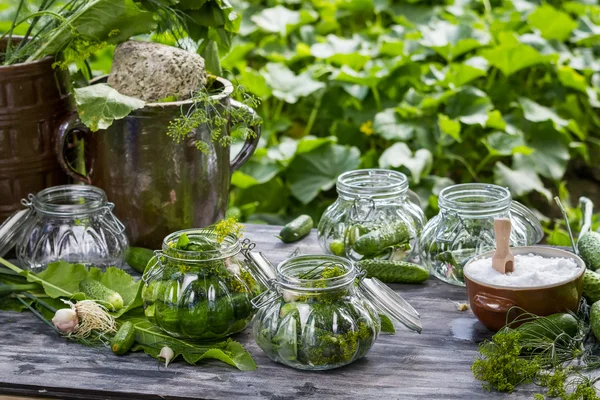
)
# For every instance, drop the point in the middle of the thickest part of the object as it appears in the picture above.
(491, 303)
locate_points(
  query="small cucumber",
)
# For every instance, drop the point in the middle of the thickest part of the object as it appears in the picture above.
(591, 286)
(595, 319)
(123, 339)
(589, 249)
(296, 229)
(337, 248)
(549, 327)
(379, 239)
(394, 271)
(138, 257)
(94, 290)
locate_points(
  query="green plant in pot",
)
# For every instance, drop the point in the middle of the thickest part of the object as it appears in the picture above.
(164, 125)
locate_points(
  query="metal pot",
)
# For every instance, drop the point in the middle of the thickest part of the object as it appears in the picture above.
(33, 100)
(159, 186)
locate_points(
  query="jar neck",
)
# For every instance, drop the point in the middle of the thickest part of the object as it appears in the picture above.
(315, 273)
(376, 184)
(228, 247)
(475, 200)
(69, 200)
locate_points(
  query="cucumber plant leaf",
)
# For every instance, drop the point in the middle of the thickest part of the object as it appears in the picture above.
(521, 178)
(99, 105)
(317, 170)
(552, 23)
(400, 155)
(61, 279)
(151, 340)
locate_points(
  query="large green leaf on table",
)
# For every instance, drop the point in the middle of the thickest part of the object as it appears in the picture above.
(470, 106)
(283, 20)
(506, 144)
(151, 340)
(288, 86)
(62, 279)
(521, 179)
(551, 153)
(388, 125)
(311, 172)
(259, 169)
(99, 105)
(586, 32)
(399, 155)
(451, 41)
(552, 23)
(510, 57)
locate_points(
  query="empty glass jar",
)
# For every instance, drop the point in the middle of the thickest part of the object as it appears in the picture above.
(198, 287)
(72, 223)
(374, 216)
(464, 227)
(319, 313)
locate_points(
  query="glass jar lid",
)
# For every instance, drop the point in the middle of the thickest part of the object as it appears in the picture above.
(295, 274)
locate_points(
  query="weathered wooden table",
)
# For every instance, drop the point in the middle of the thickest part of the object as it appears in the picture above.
(432, 365)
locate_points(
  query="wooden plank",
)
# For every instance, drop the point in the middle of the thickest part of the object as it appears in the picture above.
(433, 365)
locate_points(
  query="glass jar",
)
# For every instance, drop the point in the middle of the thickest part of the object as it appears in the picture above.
(200, 289)
(464, 228)
(319, 313)
(72, 223)
(374, 216)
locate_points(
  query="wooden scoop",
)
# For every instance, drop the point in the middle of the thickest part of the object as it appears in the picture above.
(503, 260)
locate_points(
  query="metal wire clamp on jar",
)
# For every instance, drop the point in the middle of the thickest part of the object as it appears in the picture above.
(308, 321)
(375, 201)
(72, 223)
(464, 228)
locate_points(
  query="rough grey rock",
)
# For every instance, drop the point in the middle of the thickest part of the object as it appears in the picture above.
(153, 71)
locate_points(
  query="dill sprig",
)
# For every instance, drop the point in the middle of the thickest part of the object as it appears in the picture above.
(207, 110)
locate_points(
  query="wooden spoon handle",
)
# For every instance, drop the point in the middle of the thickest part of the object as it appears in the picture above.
(502, 260)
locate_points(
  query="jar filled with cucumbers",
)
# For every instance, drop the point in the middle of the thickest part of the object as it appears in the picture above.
(464, 228)
(198, 287)
(319, 312)
(375, 217)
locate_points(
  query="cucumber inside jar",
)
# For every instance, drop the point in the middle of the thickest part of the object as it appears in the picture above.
(319, 330)
(388, 241)
(198, 289)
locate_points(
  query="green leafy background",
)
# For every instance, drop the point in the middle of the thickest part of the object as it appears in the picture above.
(446, 92)
(461, 91)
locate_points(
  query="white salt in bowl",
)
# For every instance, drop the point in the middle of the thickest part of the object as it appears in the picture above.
(495, 304)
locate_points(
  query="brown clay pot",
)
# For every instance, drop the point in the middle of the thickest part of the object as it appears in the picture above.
(33, 101)
(493, 305)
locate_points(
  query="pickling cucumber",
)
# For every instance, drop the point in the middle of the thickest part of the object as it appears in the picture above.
(94, 290)
(595, 319)
(379, 239)
(591, 286)
(337, 248)
(296, 229)
(138, 257)
(588, 245)
(550, 327)
(394, 271)
(123, 339)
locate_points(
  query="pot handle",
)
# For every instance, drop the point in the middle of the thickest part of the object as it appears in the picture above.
(251, 141)
(493, 303)
(67, 125)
